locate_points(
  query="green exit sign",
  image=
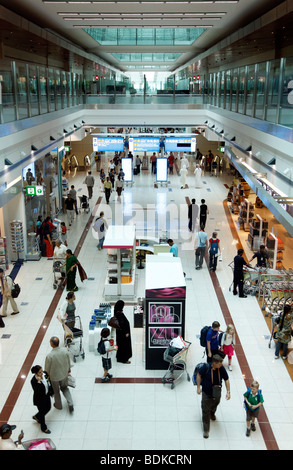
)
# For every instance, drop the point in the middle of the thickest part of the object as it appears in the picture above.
(222, 149)
(34, 190)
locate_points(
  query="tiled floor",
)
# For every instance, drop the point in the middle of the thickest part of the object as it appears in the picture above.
(149, 415)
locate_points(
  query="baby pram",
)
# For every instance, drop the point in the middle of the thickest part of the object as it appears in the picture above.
(177, 363)
(84, 203)
(59, 274)
(73, 334)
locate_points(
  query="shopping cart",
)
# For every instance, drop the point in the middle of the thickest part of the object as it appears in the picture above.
(73, 334)
(251, 278)
(84, 203)
(177, 365)
(38, 444)
(58, 274)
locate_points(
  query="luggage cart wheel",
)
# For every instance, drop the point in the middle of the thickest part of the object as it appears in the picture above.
(172, 386)
(188, 377)
(74, 359)
(83, 356)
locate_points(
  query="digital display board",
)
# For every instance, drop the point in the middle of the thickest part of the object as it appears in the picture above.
(162, 169)
(144, 144)
(108, 144)
(180, 144)
(126, 165)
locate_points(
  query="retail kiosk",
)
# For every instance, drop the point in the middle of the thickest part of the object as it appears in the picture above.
(165, 294)
(120, 243)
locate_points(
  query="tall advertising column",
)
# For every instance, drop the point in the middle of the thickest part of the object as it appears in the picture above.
(164, 307)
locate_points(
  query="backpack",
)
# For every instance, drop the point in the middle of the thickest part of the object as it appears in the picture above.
(197, 368)
(101, 347)
(249, 392)
(214, 246)
(203, 336)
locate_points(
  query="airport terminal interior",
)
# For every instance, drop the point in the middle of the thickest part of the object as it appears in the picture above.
(205, 87)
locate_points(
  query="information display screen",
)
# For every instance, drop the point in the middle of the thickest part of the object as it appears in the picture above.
(180, 144)
(108, 144)
(144, 144)
(126, 165)
(162, 169)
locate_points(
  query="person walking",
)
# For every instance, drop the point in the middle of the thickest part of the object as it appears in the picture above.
(6, 285)
(67, 310)
(73, 195)
(212, 341)
(71, 265)
(137, 163)
(284, 332)
(57, 366)
(100, 228)
(90, 181)
(203, 213)
(43, 391)
(227, 344)
(253, 400)
(238, 279)
(70, 209)
(107, 189)
(198, 172)
(193, 212)
(209, 385)
(214, 251)
(123, 334)
(153, 160)
(119, 186)
(202, 241)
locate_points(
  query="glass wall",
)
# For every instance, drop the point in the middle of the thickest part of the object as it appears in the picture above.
(263, 91)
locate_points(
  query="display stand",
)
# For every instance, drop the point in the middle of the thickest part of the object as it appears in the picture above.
(164, 307)
(3, 254)
(120, 243)
(257, 233)
(17, 240)
(276, 247)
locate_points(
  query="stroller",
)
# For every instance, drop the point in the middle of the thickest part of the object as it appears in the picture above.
(177, 364)
(72, 333)
(59, 274)
(84, 203)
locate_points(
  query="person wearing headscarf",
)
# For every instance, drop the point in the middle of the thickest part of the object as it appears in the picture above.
(123, 334)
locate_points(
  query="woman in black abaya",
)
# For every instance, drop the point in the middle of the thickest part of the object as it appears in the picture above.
(123, 334)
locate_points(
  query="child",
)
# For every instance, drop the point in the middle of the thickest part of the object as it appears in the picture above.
(106, 360)
(228, 343)
(253, 400)
(63, 234)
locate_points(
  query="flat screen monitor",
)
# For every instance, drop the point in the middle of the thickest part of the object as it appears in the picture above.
(144, 144)
(126, 165)
(180, 144)
(162, 169)
(108, 144)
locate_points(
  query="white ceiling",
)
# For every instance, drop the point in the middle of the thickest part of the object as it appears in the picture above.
(68, 18)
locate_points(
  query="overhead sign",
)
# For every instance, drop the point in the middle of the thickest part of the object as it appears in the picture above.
(144, 144)
(108, 144)
(34, 190)
(180, 144)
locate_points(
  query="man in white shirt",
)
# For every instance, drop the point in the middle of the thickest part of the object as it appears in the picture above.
(6, 443)
(6, 284)
(100, 228)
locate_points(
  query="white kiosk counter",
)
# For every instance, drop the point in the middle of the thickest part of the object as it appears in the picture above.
(165, 294)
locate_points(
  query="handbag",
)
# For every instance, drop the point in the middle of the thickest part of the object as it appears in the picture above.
(113, 322)
(71, 381)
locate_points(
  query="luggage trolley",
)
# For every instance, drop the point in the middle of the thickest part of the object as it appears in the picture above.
(251, 277)
(72, 333)
(177, 365)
